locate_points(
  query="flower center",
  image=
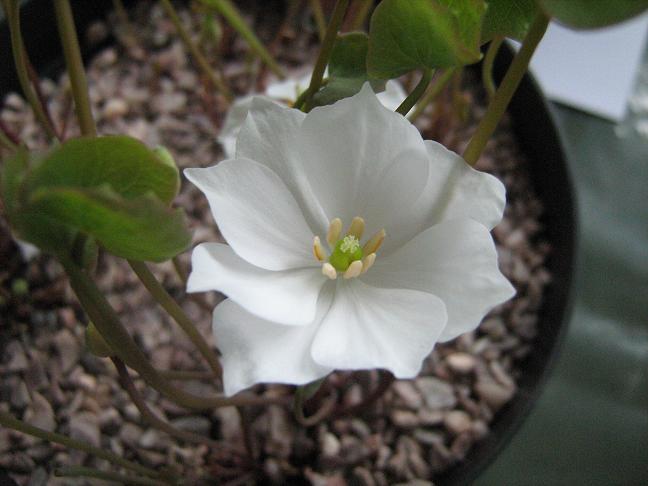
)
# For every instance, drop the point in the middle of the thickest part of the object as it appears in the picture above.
(347, 256)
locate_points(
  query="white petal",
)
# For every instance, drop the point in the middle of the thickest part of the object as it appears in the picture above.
(234, 120)
(364, 160)
(454, 260)
(256, 214)
(287, 297)
(393, 95)
(269, 137)
(259, 351)
(368, 327)
(288, 89)
(456, 190)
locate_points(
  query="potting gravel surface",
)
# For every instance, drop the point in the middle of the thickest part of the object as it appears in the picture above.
(419, 428)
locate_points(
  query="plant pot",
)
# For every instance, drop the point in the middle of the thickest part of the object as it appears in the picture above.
(537, 136)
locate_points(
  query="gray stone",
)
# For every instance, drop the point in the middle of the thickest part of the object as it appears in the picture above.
(437, 393)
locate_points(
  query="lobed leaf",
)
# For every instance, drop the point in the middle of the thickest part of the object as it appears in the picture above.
(508, 18)
(128, 166)
(140, 228)
(414, 34)
(592, 14)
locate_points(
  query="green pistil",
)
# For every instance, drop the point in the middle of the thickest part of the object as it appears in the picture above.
(346, 251)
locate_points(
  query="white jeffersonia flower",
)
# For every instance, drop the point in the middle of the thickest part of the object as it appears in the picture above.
(307, 296)
(287, 91)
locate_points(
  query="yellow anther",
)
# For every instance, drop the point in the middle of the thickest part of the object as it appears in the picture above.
(318, 249)
(333, 235)
(329, 271)
(368, 262)
(357, 227)
(354, 270)
(374, 243)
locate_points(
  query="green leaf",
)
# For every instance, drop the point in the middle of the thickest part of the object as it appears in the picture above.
(347, 69)
(140, 228)
(508, 18)
(591, 14)
(413, 34)
(128, 166)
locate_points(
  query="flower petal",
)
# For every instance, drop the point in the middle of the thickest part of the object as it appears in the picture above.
(259, 351)
(288, 89)
(286, 297)
(454, 260)
(269, 137)
(368, 327)
(234, 120)
(393, 95)
(363, 160)
(456, 190)
(256, 214)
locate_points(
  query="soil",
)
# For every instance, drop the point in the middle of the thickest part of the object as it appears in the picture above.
(418, 428)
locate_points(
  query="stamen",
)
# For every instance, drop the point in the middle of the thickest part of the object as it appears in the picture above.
(368, 262)
(333, 235)
(318, 249)
(374, 243)
(354, 269)
(329, 271)
(357, 227)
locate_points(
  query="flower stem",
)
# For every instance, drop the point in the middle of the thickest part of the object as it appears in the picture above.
(487, 65)
(431, 94)
(228, 10)
(163, 298)
(7, 420)
(320, 20)
(7, 143)
(74, 63)
(204, 66)
(117, 337)
(12, 11)
(147, 413)
(301, 396)
(504, 93)
(362, 10)
(180, 271)
(324, 55)
(89, 472)
(416, 93)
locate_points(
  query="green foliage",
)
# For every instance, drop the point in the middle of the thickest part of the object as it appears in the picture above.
(591, 14)
(140, 228)
(125, 164)
(113, 189)
(415, 34)
(347, 69)
(508, 18)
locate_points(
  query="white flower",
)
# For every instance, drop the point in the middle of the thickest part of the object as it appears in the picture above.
(287, 91)
(288, 318)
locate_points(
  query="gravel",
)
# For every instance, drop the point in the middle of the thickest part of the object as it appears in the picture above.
(418, 429)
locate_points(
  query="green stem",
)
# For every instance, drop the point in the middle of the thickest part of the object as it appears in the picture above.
(195, 52)
(324, 54)
(500, 101)
(487, 65)
(12, 11)
(171, 306)
(177, 266)
(88, 472)
(229, 11)
(74, 63)
(431, 94)
(117, 337)
(361, 14)
(320, 20)
(149, 416)
(416, 93)
(7, 420)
